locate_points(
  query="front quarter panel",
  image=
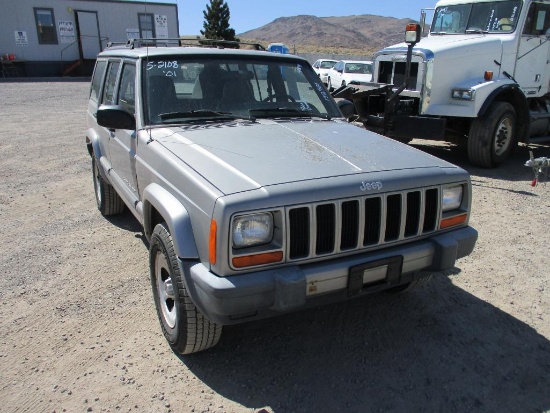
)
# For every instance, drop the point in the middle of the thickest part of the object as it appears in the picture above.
(176, 217)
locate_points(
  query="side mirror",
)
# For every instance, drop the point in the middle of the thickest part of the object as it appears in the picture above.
(346, 107)
(114, 117)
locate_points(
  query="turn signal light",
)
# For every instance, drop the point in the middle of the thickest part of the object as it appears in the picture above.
(257, 259)
(488, 75)
(451, 222)
(412, 33)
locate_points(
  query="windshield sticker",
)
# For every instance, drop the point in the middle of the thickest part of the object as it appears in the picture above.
(304, 107)
(167, 67)
(322, 91)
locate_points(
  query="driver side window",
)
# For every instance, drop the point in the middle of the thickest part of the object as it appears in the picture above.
(538, 20)
(126, 94)
(109, 89)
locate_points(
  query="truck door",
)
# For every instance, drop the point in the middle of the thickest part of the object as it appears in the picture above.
(533, 62)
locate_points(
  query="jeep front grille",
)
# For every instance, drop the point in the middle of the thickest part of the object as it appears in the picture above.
(360, 223)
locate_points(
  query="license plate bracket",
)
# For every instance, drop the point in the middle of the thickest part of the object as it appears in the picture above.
(386, 271)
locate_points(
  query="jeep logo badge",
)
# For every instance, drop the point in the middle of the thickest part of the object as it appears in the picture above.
(370, 186)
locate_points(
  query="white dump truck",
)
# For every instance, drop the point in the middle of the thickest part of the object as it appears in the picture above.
(480, 78)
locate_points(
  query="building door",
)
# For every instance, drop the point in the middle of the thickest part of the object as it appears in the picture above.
(88, 34)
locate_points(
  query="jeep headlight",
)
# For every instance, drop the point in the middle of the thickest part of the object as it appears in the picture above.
(464, 94)
(251, 230)
(452, 197)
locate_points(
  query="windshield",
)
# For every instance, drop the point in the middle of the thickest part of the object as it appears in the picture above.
(327, 64)
(484, 17)
(182, 89)
(361, 68)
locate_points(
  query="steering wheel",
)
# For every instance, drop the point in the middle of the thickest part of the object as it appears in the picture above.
(270, 98)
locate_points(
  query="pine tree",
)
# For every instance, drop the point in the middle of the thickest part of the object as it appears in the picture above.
(216, 21)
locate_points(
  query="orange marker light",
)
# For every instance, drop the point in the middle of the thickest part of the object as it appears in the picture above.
(258, 259)
(212, 244)
(451, 222)
(488, 75)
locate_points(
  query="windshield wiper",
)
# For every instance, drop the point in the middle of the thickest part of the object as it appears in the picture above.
(286, 112)
(203, 113)
(475, 30)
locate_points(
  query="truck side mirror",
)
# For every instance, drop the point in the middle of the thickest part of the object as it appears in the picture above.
(413, 33)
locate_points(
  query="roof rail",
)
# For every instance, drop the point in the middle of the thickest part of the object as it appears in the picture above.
(183, 41)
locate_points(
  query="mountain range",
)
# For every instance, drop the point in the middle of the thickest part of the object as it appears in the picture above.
(365, 33)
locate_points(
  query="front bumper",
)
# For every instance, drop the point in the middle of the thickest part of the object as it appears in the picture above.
(240, 298)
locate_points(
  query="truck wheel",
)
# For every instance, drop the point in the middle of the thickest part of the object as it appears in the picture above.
(107, 199)
(492, 137)
(183, 325)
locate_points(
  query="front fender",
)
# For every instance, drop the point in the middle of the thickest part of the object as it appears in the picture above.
(94, 149)
(485, 94)
(176, 217)
(512, 94)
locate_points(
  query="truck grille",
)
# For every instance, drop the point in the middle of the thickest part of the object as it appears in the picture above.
(393, 73)
(360, 223)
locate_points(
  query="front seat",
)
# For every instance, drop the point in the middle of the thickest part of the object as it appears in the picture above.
(161, 97)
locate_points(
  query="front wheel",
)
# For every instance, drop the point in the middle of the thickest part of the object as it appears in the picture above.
(492, 137)
(185, 328)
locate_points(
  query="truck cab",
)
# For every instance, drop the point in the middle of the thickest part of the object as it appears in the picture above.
(480, 79)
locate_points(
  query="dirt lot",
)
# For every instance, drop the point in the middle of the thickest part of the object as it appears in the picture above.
(78, 330)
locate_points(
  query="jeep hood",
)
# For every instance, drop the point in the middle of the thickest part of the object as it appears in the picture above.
(242, 156)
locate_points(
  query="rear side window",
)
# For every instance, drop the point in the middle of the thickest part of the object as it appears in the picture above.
(97, 79)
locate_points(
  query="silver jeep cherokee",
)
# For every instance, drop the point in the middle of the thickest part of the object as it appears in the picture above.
(257, 197)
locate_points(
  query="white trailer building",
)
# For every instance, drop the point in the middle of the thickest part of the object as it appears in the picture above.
(63, 37)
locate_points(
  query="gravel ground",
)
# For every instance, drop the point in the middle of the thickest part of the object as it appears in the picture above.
(78, 330)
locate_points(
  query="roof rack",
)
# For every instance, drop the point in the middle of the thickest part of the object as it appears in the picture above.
(182, 42)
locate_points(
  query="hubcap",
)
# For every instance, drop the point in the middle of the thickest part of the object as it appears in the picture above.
(503, 136)
(165, 290)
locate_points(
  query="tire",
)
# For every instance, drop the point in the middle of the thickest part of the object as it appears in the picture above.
(107, 199)
(343, 83)
(492, 138)
(329, 85)
(408, 287)
(185, 328)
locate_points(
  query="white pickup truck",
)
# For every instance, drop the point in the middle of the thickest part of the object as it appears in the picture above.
(481, 78)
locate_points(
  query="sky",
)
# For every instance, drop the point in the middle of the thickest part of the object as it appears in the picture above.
(252, 14)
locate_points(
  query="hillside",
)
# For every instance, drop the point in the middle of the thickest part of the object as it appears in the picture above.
(363, 33)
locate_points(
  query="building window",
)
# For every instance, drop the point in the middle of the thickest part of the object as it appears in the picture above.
(45, 26)
(146, 25)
